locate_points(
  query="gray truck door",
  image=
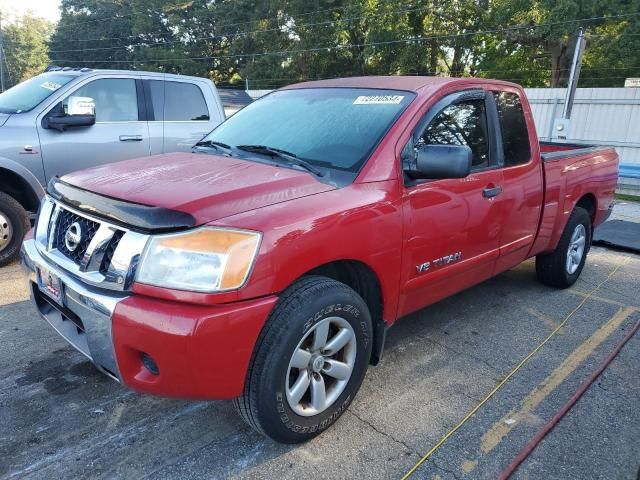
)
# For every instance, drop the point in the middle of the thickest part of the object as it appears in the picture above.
(120, 132)
(182, 108)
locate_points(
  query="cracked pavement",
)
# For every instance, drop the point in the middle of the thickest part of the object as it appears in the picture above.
(61, 418)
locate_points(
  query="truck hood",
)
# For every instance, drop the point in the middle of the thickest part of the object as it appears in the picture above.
(3, 118)
(208, 187)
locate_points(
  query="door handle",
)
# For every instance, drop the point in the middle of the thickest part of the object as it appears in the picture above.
(491, 192)
(130, 138)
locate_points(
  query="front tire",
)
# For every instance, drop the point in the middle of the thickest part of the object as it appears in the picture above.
(562, 267)
(309, 361)
(14, 224)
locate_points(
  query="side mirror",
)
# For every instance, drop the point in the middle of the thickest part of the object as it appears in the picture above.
(81, 112)
(441, 161)
(81, 106)
(62, 123)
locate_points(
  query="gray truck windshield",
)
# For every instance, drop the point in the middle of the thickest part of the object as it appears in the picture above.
(27, 95)
(335, 128)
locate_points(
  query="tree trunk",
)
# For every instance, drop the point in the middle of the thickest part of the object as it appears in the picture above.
(457, 67)
(560, 63)
(433, 58)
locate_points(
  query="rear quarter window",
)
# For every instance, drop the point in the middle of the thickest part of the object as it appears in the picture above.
(177, 102)
(515, 136)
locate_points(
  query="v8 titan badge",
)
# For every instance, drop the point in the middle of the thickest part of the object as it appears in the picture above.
(439, 262)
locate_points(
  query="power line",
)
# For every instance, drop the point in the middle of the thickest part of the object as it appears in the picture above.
(117, 17)
(409, 40)
(187, 41)
(241, 34)
(480, 71)
(280, 28)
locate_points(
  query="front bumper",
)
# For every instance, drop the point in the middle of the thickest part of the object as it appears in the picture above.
(93, 308)
(200, 352)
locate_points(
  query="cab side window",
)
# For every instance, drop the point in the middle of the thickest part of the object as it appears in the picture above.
(515, 136)
(463, 123)
(115, 99)
(177, 101)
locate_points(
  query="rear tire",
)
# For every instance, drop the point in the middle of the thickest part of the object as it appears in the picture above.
(299, 384)
(14, 225)
(562, 267)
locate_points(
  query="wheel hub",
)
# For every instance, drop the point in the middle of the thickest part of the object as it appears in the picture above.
(6, 231)
(317, 363)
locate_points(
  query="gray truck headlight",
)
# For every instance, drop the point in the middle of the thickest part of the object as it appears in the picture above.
(204, 260)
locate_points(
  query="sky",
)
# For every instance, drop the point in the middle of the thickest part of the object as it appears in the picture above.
(42, 8)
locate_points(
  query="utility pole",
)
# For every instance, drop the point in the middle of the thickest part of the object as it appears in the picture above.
(561, 125)
(1, 56)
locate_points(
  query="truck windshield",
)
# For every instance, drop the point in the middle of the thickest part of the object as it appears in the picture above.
(27, 95)
(331, 127)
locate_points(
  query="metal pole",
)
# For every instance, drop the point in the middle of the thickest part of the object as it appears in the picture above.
(1, 57)
(556, 102)
(575, 75)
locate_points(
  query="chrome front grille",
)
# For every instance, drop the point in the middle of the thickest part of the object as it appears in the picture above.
(110, 251)
(104, 255)
(64, 221)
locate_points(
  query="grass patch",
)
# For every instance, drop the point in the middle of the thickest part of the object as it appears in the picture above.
(627, 197)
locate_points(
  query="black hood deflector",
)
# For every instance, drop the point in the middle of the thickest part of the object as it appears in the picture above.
(133, 216)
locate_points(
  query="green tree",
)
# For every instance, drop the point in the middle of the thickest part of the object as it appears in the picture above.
(282, 41)
(25, 47)
(541, 55)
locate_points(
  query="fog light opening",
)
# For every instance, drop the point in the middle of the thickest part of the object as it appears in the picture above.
(149, 363)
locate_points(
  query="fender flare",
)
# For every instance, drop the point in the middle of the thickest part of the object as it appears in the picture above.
(29, 178)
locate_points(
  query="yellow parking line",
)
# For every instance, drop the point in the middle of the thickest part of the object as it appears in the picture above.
(580, 293)
(509, 375)
(492, 438)
(548, 321)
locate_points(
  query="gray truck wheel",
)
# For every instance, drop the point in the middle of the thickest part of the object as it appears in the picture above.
(309, 361)
(14, 224)
(562, 267)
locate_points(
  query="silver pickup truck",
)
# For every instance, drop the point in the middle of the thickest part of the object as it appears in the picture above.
(69, 119)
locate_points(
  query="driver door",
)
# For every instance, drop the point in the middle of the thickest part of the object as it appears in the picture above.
(452, 226)
(120, 132)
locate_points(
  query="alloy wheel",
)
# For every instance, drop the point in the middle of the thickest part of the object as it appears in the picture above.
(321, 366)
(576, 248)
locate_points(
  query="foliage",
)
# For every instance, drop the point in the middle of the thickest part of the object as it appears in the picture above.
(275, 42)
(25, 46)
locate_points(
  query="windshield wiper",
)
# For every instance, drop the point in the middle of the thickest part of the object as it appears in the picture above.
(222, 147)
(283, 155)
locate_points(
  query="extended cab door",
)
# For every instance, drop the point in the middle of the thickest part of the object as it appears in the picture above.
(120, 131)
(522, 185)
(180, 109)
(451, 226)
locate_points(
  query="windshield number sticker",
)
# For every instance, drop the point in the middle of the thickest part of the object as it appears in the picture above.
(378, 100)
(51, 86)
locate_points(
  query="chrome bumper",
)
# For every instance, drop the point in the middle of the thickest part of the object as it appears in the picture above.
(94, 308)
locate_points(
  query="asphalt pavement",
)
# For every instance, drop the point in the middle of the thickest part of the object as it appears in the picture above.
(61, 418)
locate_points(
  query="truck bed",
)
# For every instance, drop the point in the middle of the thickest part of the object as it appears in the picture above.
(550, 151)
(570, 171)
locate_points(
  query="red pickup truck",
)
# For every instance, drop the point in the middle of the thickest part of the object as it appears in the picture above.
(267, 265)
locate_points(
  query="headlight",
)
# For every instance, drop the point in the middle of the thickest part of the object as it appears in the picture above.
(204, 260)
